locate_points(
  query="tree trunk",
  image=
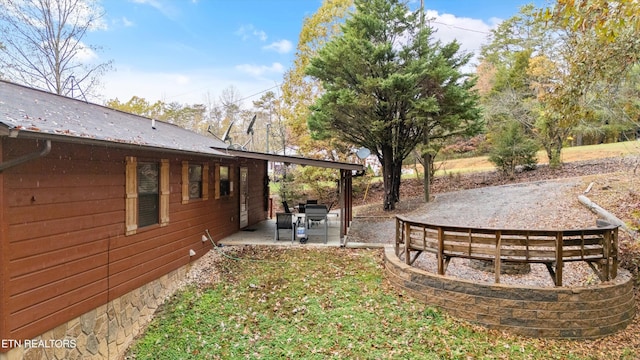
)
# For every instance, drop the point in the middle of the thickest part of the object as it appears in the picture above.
(553, 150)
(388, 177)
(426, 159)
(397, 173)
(555, 159)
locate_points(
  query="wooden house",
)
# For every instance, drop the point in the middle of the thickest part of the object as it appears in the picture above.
(95, 203)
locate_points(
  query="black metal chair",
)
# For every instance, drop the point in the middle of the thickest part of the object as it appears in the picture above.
(330, 207)
(284, 221)
(285, 205)
(312, 202)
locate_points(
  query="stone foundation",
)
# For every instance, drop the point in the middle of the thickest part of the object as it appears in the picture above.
(105, 332)
(559, 312)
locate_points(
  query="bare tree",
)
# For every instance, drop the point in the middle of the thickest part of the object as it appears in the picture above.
(43, 45)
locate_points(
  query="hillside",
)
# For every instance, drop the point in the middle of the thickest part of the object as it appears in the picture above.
(411, 190)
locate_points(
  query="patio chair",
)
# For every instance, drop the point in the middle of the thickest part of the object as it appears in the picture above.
(284, 221)
(330, 207)
(285, 205)
(316, 214)
(301, 208)
(312, 202)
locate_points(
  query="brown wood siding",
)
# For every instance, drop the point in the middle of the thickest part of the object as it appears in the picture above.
(64, 249)
(4, 254)
(55, 209)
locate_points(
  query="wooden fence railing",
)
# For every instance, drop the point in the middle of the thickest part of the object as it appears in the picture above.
(596, 246)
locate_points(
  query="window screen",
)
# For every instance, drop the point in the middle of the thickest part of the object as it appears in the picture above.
(225, 184)
(195, 181)
(148, 195)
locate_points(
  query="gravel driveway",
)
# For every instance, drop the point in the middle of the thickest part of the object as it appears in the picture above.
(537, 205)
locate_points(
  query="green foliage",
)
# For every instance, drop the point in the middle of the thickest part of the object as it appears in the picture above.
(290, 190)
(512, 149)
(190, 117)
(322, 183)
(388, 86)
(599, 47)
(300, 91)
(309, 182)
(565, 73)
(606, 20)
(309, 303)
(513, 96)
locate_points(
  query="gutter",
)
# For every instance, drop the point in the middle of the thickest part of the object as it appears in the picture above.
(116, 144)
(28, 157)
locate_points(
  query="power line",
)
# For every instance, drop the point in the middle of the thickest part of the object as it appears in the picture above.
(461, 28)
(258, 93)
(239, 100)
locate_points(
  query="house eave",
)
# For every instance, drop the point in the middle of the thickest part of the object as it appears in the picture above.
(35, 135)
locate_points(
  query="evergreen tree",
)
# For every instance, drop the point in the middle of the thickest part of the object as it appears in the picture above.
(387, 85)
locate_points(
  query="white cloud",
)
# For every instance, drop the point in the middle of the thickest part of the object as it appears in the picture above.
(260, 70)
(84, 54)
(282, 46)
(248, 31)
(126, 22)
(470, 33)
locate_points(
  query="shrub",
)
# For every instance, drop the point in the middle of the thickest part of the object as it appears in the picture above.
(512, 148)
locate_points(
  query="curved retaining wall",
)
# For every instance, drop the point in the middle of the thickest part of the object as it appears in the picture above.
(577, 313)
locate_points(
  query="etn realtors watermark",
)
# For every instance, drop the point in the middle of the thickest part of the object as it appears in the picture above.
(38, 343)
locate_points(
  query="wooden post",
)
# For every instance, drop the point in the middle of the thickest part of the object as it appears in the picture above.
(607, 253)
(342, 198)
(559, 244)
(497, 256)
(424, 237)
(398, 235)
(470, 241)
(407, 243)
(440, 251)
(614, 253)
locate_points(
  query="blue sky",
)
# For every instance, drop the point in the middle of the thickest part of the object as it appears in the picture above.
(189, 51)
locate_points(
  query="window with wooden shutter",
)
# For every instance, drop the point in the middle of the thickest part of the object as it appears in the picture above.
(193, 181)
(225, 181)
(147, 190)
(148, 194)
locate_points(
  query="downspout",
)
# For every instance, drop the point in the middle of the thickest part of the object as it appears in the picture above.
(28, 157)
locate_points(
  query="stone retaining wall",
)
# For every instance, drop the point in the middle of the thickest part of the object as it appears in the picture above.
(576, 313)
(105, 332)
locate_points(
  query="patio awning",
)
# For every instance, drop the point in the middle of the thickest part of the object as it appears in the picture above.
(345, 187)
(294, 160)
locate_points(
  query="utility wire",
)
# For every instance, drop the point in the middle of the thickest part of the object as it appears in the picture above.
(461, 28)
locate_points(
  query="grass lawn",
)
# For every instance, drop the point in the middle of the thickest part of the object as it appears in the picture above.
(571, 154)
(306, 303)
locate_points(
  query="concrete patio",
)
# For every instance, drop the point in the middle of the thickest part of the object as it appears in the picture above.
(264, 233)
